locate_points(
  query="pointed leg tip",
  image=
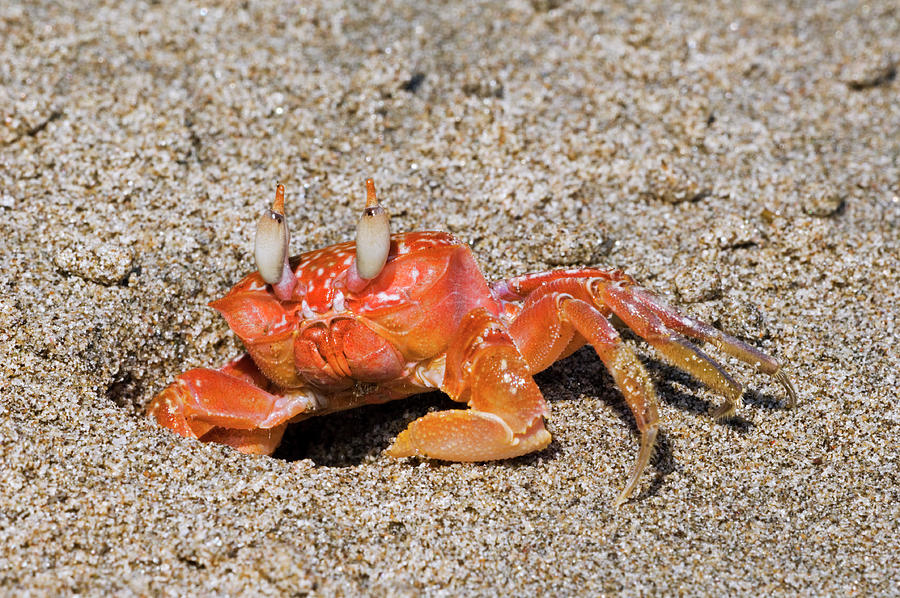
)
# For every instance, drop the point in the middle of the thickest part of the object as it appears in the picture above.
(723, 411)
(788, 386)
(648, 444)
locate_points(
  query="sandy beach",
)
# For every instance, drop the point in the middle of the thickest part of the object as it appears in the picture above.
(742, 162)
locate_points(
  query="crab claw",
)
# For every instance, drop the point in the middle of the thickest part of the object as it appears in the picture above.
(272, 241)
(373, 236)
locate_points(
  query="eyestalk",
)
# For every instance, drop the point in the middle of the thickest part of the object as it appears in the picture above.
(273, 239)
(373, 236)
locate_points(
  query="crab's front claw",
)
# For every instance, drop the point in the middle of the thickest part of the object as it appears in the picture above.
(167, 408)
(228, 407)
(172, 409)
(463, 435)
(506, 415)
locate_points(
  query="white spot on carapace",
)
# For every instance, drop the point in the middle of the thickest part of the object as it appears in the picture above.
(337, 304)
(348, 260)
(255, 286)
(383, 297)
(306, 311)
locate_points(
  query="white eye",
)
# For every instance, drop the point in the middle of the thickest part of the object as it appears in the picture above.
(272, 240)
(373, 236)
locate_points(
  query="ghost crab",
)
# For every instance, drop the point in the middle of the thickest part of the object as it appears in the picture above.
(402, 314)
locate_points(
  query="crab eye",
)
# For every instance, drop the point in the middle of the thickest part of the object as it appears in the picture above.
(373, 236)
(272, 240)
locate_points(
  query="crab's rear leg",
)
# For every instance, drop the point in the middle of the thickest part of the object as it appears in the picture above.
(696, 329)
(657, 323)
(544, 332)
(506, 408)
(661, 326)
(230, 406)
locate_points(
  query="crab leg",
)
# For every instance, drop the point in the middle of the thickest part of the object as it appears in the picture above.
(673, 346)
(728, 344)
(506, 408)
(659, 324)
(629, 374)
(551, 323)
(554, 313)
(229, 406)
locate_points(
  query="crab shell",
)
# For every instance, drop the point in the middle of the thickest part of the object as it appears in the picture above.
(329, 336)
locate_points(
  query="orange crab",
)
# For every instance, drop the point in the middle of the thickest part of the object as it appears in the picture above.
(396, 315)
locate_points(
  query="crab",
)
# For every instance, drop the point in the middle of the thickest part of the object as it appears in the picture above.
(396, 315)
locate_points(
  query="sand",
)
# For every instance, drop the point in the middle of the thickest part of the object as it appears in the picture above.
(744, 163)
